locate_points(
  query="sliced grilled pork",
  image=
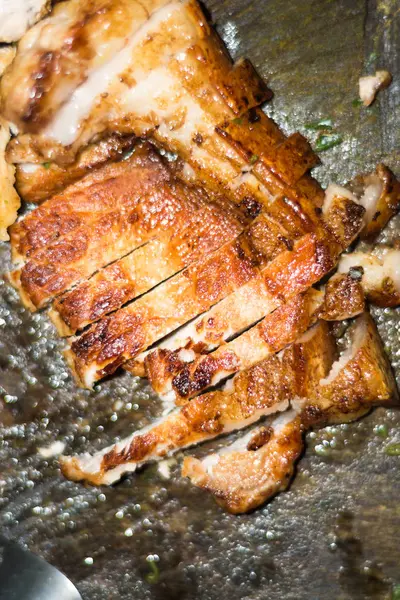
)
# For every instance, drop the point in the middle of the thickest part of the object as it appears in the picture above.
(252, 394)
(251, 470)
(204, 231)
(379, 274)
(359, 379)
(100, 219)
(7, 55)
(248, 305)
(121, 336)
(181, 374)
(172, 57)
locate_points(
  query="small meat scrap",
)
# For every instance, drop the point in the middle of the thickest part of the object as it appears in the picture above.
(370, 85)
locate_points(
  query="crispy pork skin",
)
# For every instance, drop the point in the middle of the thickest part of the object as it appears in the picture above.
(379, 274)
(73, 235)
(204, 231)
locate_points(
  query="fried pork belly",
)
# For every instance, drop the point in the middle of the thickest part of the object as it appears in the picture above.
(181, 374)
(250, 304)
(204, 231)
(16, 16)
(379, 274)
(121, 336)
(251, 470)
(176, 60)
(9, 199)
(37, 182)
(379, 193)
(102, 218)
(359, 379)
(257, 465)
(252, 394)
(60, 52)
(7, 54)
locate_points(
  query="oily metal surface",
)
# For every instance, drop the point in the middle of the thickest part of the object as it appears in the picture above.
(335, 534)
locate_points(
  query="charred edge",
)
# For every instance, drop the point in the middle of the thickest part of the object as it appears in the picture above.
(261, 438)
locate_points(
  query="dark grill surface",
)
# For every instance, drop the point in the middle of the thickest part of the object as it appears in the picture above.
(335, 534)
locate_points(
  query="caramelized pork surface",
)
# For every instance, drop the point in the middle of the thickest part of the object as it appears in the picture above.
(204, 231)
(379, 274)
(121, 336)
(252, 394)
(36, 182)
(245, 474)
(181, 374)
(97, 221)
(260, 463)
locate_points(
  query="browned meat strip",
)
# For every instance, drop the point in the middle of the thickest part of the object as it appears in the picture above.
(204, 231)
(378, 273)
(264, 389)
(242, 476)
(131, 209)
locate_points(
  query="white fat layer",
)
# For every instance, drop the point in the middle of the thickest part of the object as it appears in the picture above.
(335, 191)
(376, 268)
(65, 126)
(16, 16)
(371, 195)
(29, 167)
(358, 333)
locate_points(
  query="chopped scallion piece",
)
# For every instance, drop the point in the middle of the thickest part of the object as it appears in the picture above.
(237, 121)
(254, 158)
(325, 142)
(154, 574)
(382, 430)
(46, 165)
(393, 450)
(321, 124)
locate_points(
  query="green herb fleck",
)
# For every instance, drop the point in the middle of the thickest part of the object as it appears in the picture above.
(154, 574)
(46, 165)
(396, 592)
(321, 124)
(382, 430)
(371, 59)
(325, 142)
(253, 159)
(238, 121)
(357, 102)
(393, 450)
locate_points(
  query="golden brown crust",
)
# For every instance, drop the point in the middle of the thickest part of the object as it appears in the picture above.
(242, 480)
(205, 230)
(344, 298)
(364, 380)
